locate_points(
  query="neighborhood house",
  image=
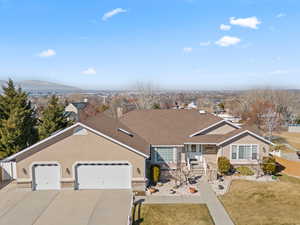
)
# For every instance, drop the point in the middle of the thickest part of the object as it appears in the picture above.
(103, 153)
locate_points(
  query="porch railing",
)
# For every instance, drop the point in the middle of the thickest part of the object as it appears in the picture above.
(204, 164)
(201, 162)
(189, 164)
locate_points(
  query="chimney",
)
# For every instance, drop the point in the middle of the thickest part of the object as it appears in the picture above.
(119, 112)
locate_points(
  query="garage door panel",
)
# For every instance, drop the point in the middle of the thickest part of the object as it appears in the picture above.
(46, 177)
(99, 176)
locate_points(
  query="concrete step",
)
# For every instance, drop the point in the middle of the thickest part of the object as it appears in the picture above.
(196, 166)
(197, 172)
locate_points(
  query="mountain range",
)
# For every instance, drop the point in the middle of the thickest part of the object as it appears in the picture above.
(42, 86)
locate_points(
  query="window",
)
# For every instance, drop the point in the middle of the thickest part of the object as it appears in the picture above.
(244, 152)
(164, 154)
(234, 152)
(254, 152)
(193, 148)
(241, 152)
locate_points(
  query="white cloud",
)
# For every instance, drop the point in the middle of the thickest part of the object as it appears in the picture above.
(279, 72)
(250, 22)
(225, 27)
(280, 15)
(47, 53)
(187, 49)
(89, 71)
(112, 13)
(207, 43)
(227, 41)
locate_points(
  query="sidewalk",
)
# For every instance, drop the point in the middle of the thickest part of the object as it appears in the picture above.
(215, 207)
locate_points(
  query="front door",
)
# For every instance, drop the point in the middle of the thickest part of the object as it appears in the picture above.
(195, 152)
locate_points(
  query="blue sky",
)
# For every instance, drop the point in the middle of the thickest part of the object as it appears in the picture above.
(183, 44)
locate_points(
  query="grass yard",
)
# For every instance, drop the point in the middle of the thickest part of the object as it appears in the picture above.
(172, 214)
(292, 138)
(253, 203)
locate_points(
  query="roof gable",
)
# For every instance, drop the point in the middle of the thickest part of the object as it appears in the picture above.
(79, 105)
(214, 125)
(240, 132)
(127, 145)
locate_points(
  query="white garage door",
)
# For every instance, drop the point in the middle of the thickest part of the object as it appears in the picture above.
(46, 176)
(103, 176)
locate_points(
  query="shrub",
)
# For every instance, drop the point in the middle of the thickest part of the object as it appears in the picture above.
(245, 171)
(155, 173)
(277, 147)
(268, 165)
(224, 165)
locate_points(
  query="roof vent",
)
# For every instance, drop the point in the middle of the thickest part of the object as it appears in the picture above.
(125, 132)
(202, 111)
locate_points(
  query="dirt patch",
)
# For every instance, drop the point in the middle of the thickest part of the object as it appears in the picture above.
(289, 167)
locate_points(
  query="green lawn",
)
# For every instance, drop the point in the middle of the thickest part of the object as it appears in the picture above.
(171, 214)
(264, 203)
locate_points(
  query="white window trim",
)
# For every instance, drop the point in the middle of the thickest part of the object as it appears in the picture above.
(237, 153)
(174, 155)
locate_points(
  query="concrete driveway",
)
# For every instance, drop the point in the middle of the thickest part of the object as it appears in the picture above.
(65, 207)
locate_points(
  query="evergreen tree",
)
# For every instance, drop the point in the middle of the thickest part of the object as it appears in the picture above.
(53, 118)
(155, 106)
(17, 120)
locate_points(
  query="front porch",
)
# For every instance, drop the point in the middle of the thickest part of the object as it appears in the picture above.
(200, 156)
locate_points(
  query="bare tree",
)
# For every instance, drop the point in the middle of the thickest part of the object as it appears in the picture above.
(181, 175)
(254, 107)
(115, 107)
(145, 96)
(271, 121)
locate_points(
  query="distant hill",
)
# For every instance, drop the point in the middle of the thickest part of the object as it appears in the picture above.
(42, 86)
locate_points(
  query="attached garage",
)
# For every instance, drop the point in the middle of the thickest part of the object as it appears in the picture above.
(103, 175)
(46, 176)
(99, 155)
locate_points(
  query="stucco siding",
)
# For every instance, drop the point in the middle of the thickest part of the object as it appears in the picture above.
(67, 149)
(210, 154)
(222, 128)
(263, 150)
